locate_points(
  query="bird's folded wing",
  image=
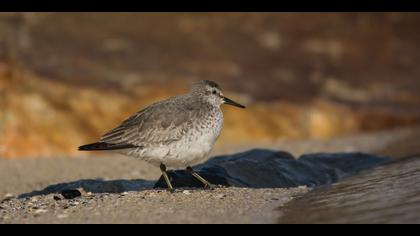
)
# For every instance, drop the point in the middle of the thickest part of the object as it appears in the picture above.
(156, 124)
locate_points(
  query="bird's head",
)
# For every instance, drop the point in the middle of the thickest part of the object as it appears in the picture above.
(211, 93)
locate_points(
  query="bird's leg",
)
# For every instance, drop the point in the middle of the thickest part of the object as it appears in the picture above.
(206, 183)
(165, 176)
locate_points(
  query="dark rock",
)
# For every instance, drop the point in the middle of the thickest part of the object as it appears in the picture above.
(57, 198)
(273, 169)
(71, 193)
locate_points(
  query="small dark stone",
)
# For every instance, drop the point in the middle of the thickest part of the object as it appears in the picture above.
(6, 199)
(57, 198)
(71, 193)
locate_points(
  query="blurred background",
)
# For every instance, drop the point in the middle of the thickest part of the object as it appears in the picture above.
(66, 78)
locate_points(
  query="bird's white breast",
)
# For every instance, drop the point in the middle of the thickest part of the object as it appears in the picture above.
(191, 149)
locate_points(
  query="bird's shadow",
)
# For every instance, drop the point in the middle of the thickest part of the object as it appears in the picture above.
(256, 168)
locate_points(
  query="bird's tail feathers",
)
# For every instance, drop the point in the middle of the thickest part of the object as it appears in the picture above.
(102, 146)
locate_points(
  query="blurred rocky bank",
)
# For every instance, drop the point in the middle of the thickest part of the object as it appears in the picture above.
(40, 117)
(67, 78)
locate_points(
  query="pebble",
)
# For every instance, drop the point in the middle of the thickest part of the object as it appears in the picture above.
(62, 216)
(302, 187)
(71, 193)
(220, 196)
(9, 195)
(34, 199)
(186, 192)
(40, 211)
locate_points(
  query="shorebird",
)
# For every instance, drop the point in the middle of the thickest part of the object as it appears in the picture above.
(177, 132)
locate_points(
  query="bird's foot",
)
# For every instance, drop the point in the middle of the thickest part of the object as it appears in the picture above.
(210, 186)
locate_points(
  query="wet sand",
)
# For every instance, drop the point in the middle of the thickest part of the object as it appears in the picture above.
(387, 194)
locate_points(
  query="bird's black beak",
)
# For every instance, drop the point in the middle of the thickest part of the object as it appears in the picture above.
(231, 102)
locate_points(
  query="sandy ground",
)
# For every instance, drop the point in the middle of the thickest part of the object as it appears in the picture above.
(225, 205)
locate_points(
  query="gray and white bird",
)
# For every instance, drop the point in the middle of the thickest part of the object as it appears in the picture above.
(177, 132)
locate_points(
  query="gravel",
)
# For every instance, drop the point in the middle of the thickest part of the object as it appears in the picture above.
(223, 205)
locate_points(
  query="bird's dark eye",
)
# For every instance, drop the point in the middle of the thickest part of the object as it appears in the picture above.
(214, 91)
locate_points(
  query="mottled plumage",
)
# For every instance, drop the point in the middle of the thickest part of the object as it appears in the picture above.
(177, 132)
